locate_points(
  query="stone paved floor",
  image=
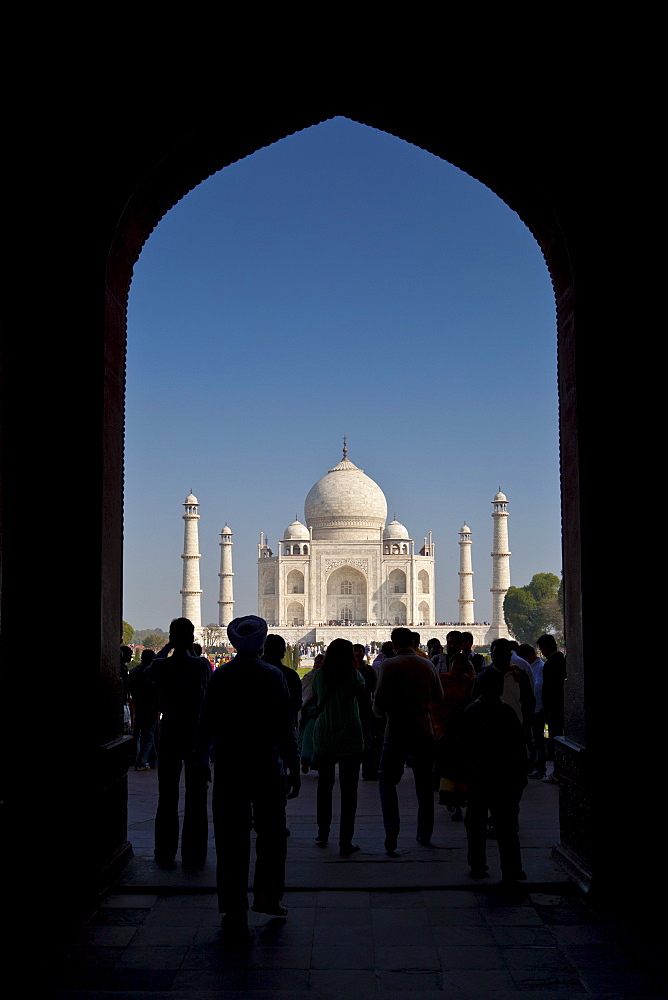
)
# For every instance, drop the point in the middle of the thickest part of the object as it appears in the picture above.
(309, 867)
(158, 932)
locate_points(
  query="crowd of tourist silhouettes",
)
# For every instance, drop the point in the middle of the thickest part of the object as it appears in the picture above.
(470, 727)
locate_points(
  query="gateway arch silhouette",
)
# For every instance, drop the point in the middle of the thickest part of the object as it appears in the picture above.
(81, 232)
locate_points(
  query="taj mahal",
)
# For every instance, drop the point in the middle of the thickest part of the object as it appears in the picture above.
(345, 566)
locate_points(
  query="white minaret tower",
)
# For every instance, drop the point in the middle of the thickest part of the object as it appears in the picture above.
(500, 561)
(191, 594)
(226, 602)
(466, 599)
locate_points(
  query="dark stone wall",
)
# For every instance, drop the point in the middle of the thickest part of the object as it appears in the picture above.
(82, 193)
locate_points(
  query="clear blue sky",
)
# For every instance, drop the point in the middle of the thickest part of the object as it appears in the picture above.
(340, 281)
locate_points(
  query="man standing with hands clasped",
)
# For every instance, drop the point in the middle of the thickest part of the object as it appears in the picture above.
(247, 716)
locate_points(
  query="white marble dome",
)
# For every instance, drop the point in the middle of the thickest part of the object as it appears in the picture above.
(296, 532)
(345, 504)
(464, 530)
(500, 498)
(191, 498)
(396, 529)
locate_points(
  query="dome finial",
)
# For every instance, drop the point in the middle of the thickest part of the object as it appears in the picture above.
(345, 448)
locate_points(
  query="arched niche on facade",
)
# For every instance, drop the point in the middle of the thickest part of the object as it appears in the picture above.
(270, 612)
(295, 582)
(396, 582)
(423, 612)
(423, 581)
(397, 613)
(295, 613)
(268, 582)
(347, 586)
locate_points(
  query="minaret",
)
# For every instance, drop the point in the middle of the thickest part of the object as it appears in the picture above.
(466, 599)
(191, 594)
(500, 560)
(226, 602)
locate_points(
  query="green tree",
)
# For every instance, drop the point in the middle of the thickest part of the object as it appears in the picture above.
(544, 586)
(292, 657)
(127, 634)
(153, 641)
(141, 633)
(519, 609)
(534, 609)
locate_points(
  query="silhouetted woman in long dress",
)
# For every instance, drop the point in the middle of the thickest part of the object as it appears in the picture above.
(309, 714)
(338, 738)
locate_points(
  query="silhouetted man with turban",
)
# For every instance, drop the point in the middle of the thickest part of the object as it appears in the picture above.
(247, 717)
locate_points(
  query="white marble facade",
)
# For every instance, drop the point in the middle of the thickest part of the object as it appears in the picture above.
(345, 564)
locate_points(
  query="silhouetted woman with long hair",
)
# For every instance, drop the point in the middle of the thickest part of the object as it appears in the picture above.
(309, 714)
(338, 738)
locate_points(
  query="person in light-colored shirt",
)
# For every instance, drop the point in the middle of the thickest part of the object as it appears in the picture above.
(538, 747)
